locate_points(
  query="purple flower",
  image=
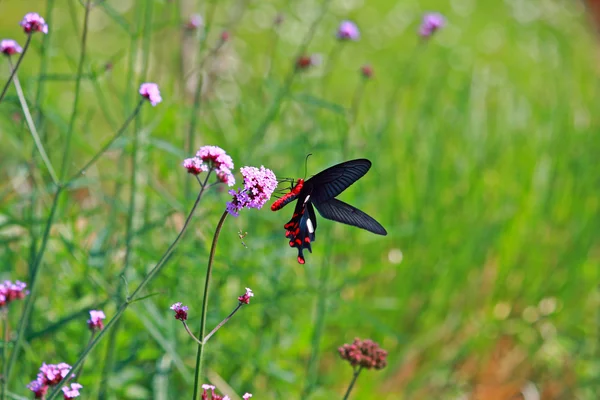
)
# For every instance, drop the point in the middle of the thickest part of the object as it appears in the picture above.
(211, 158)
(10, 47)
(348, 31)
(431, 23)
(151, 92)
(194, 22)
(51, 374)
(95, 321)
(38, 387)
(245, 298)
(12, 291)
(32, 22)
(215, 156)
(247, 396)
(71, 393)
(194, 166)
(213, 395)
(259, 184)
(180, 311)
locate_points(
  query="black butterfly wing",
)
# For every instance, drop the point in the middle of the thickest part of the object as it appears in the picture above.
(300, 230)
(339, 211)
(334, 180)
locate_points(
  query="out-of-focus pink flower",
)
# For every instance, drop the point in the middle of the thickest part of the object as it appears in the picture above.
(10, 47)
(305, 62)
(211, 158)
(71, 392)
(195, 22)
(348, 31)
(247, 396)
(95, 321)
(245, 298)
(259, 185)
(180, 311)
(431, 23)
(365, 353)
(366, 71)
(213, 395)
(38, 387)
(225, 36)
(32, 22)
(12, 291)
(150, 91)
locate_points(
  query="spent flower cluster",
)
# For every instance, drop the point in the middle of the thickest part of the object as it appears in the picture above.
(180, 311)
(259, 185)
(51, 375)
(364, 353)
(95, 321)
(245, 298)
(211, 158)
(12, 291)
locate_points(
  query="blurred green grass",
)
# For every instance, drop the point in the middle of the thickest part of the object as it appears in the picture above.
(486, 179)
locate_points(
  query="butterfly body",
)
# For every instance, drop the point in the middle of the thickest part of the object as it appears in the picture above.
(320, 191)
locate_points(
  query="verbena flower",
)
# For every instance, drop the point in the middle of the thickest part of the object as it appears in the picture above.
(366, 71)
(95, 321)
(245, 298)
(12, 291)
(150, 91)
(364, 353)
(51, 374)
(213, 395)
(32, 22)
(10, 47)
(247, 396)
(38, 387)
(348, 31)
(259, 185)
(195, 22)
(71, 392)
(211, 158)
(180, 311)
(431, 23)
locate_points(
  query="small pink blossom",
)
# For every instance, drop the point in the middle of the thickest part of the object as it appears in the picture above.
(38, 387)
(51, 374)
(72, 392)
(211, 158)
(32, 22)
(194, 166)
(213, 395)
(259, 185)
(194, 22)
(95, 321)
(151, 92)
(12, 291)
(348, 31)
(366, 71)
(247, 396)
(180, 311)
(431, 23)
(245, 298)
(10, 47)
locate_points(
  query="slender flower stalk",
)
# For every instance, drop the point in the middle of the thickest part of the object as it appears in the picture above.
(4, 382)
(136, 293)
(352, 382)
(14, 70)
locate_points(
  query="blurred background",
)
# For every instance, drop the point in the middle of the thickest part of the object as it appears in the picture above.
(484, 143)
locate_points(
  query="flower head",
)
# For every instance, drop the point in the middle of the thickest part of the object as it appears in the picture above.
(348, 31)
(151, 92)
(259, 184)
(72, 392)
(194, 22)
(247, 396)
(32, 22)
(12, 291)
(211, 158)
(365, 353)
(38, 387)
(180, 311)
(245, 298)
(366, 71)
(10, 47)
(51, 374)
(95, 321)
(213, 395)
(431, 23)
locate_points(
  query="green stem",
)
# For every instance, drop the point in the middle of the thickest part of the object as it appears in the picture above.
(33, 286)
(201, 346)
(14, 71)
(67, 149)
(32, 129)
(352, 382)
(134, 296)
(222, 323)
(4, 381)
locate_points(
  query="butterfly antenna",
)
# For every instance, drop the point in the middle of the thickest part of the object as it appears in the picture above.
(306, 164)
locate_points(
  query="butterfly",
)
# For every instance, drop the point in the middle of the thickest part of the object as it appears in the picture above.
(319, 192)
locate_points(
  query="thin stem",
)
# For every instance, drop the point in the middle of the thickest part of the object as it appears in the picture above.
(33, 286)
(131, 299)
(201, 346)
(352, 382)
(14, 71)
(67, 149)
(187, 328)
(4, 381)
(107, 145)
(222, 323)
(32, 129)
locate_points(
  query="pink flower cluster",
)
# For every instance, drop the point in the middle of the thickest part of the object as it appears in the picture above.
(95, 321)
(9, 47)
(180, 311)
(431, 23)
(50, 375)
(365, 353)
(32, 22)
(259, 185)
(245, 298)
(214, 396)
(211, 158)
(151, 92)
(12, 291)
(348, 31)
